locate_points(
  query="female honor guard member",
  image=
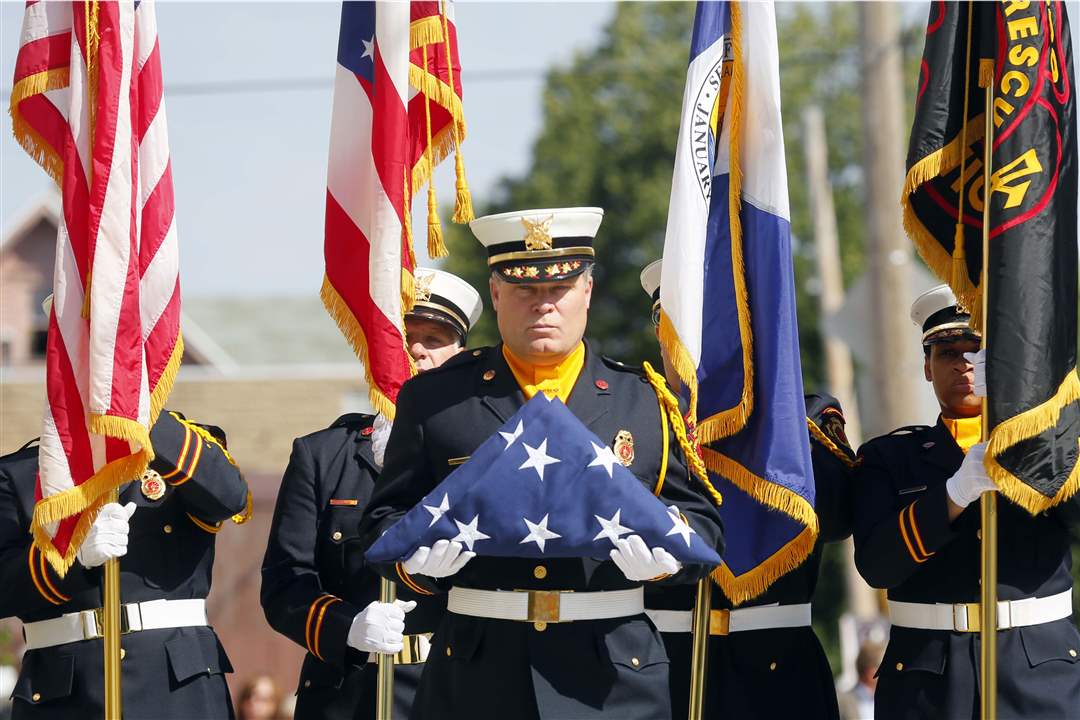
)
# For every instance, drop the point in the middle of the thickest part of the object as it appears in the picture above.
(917, 533)
(316, 587)
(172, 663)
(492, 655)
(765, 661)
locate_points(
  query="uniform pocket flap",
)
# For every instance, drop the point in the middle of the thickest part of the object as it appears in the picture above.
(45, 678)
(196, 653)
(1050, 641)
(463, 636)
(634, 645)
(914, 651)
(317, 674)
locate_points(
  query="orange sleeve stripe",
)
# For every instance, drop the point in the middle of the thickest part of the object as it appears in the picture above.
(196, 453)
(183, 455)
(318, 623)
(310, 616)
(915, 531)
(48, 582)
(907, 541)
(37, 583)
(409, 581)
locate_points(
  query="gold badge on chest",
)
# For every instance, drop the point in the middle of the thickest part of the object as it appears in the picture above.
(624, 447)
(152, 486)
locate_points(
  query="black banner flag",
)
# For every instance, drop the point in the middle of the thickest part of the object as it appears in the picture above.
(1024, 50)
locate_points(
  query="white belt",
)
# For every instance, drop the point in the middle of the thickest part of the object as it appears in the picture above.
(722, 622)
(964, 617)
(546, 606)
(87, 624)
(415, 649)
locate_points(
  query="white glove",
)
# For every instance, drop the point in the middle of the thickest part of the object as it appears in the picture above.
(971, 480)
(978, 361)
(638, 563)
(442, 559)
(380, 434)
(108, 536)
(378, 627)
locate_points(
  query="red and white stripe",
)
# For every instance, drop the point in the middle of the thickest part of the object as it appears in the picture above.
(107, 374)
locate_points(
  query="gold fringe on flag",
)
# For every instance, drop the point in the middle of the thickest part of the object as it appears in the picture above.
(425, 31)
(36, 147)
(160, 393)
(740, 588)
(1023, 427)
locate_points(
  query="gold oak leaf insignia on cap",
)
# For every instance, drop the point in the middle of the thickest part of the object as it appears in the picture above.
(423, 287)
(537, 233)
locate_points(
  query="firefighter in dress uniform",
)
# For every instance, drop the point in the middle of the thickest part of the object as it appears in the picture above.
(917, 534)
(765, 661)
(494, 656)
(163, 528)
(316, 587)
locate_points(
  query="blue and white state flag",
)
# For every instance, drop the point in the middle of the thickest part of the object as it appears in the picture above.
(542, 486)
(727, 294)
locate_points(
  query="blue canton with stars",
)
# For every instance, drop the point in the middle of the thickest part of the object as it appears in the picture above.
(356, 39)
(542, 486)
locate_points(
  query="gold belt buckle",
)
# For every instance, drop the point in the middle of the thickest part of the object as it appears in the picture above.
(544, 606)
(719, 622)
(99, 622)
(413, 650)
(971, 623)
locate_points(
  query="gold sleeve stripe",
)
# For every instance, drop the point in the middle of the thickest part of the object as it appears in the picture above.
(195, 457)
(208, 527)
(907, 541)
(33, 570)
(183, 455)
(318, 623)
(915, 531)
(311, 616)
(48, 582)
(409, 581)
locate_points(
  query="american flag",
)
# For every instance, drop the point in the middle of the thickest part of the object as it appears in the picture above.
(397, 113)
(542, 486)
(87, 104)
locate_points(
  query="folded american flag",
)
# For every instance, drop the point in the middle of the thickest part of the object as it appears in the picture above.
(542, 486)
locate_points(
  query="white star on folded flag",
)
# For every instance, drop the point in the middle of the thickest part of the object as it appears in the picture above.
(538, 533)
(611, 529)
(438, 512)
(680, 527)
(468, 533)
(604, 457)
(538, 458)
(369, 48)
(510, 437)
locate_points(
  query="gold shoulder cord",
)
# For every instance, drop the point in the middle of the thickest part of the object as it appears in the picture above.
(670, 404)
(241, 517)
(818, 434)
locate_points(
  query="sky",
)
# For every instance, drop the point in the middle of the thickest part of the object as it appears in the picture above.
(248, 97)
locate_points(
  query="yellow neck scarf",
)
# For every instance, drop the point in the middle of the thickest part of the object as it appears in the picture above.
(966, 431)
(553, 380)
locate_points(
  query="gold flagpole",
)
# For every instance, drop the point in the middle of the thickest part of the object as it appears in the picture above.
(111, 631)
(988, 502)
(700, 636)
(384, 693)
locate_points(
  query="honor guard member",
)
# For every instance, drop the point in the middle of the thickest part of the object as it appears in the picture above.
(163, 528)
(316, 587)
(765, 661)
(524, 638)
(917, 534)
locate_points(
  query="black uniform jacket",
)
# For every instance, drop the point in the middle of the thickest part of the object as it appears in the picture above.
(481, 668)
(905, 543)
(783, 672)
(169, 673)
(315, 581)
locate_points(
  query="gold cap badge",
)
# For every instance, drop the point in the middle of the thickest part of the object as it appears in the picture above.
(152, 486)
(537, 233)
(422, 283)
(624, 447)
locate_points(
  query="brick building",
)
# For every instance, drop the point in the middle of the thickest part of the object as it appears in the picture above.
(264, 369)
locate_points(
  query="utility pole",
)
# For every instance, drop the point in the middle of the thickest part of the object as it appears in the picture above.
(888, 252)
(840, 377)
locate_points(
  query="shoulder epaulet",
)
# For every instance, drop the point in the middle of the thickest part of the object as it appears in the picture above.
(353, 420)
(621, 366)
(463, 358)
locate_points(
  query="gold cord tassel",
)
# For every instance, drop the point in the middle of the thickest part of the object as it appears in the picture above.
(959, 263)
(435, 246)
